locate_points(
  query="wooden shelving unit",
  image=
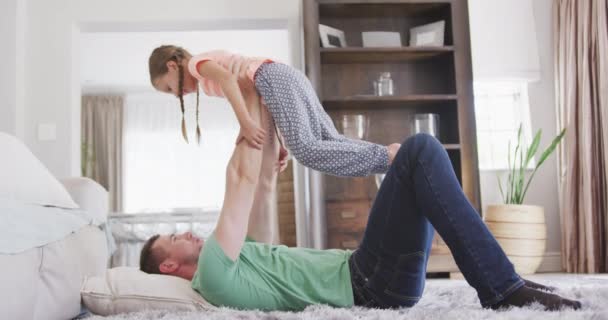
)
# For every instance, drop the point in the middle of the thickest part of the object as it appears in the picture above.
(426, 79)
(381, 55)
(375, 102)
(451, 146)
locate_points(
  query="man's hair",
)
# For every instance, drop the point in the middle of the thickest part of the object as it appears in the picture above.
(150, 260)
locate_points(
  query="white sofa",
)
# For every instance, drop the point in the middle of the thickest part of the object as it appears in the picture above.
(44, 282)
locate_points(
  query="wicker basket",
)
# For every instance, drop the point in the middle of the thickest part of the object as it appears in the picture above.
(521, 232)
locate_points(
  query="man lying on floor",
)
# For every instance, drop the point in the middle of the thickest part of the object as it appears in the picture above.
(419, 192)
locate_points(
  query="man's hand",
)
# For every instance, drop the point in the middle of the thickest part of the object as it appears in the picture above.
(253, 133)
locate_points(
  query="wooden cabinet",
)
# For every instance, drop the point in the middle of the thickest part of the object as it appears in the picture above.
(350, 215)
(346, 222)
(426, 80)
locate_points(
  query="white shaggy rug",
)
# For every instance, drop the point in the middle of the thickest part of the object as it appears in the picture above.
(443, 299)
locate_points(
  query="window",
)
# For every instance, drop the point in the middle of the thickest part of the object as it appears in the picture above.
(162, 172)
(500, 108)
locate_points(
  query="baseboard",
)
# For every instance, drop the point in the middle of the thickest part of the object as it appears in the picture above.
(441, 263)
(552, 262)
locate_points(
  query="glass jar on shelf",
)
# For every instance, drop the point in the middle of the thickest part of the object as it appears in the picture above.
(384, 86)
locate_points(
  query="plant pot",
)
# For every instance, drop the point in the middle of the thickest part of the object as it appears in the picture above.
(521, 232)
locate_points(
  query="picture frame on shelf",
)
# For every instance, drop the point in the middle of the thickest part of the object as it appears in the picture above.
(331, 37)
(376, 39)
(428, 35)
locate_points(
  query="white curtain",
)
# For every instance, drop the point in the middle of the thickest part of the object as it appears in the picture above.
(161, 171)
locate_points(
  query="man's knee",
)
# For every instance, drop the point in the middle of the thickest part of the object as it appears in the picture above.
(413, 146)
(422, 139)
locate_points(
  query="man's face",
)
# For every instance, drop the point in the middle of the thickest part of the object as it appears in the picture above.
(182, 249)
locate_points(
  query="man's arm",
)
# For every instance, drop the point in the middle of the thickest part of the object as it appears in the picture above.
(242, 177)
(263, 223)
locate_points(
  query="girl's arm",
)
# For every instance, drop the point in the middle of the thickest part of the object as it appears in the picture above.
(250, 130)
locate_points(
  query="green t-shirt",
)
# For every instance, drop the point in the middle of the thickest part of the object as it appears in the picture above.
(271, 277)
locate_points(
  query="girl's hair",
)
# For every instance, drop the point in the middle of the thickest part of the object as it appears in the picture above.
(157, 65)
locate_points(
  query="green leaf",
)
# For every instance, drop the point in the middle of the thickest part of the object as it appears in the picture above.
(551, 148)
(544, 157)
(528, 184)
(516, 176)
(507, 200)
(533, 147)
(521, 175)
(513, 176)
(502, 194)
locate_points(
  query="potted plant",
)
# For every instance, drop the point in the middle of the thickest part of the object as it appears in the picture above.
(520, 229)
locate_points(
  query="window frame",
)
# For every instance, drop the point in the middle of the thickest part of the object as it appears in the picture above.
(496, 89)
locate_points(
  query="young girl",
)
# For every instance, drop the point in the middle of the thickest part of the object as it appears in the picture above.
(308, 131)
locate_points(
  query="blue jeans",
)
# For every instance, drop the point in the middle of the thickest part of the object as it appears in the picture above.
(419, 192)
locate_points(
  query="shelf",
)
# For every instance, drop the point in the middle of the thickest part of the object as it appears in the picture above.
(364, 9)
(366, 101)
(381, 55)
(451, 146)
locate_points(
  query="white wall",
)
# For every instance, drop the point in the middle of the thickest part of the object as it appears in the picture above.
(9, 40)
(503, 39)
(543, 190)
(51, 51)
(544, 116)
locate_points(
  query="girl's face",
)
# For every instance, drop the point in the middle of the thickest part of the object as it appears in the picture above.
(169, 82)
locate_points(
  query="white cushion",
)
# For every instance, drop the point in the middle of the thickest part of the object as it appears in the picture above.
(90, 196)
(24, 178)
(127, 289)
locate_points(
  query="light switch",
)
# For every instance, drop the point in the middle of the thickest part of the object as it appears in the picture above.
(47, 132)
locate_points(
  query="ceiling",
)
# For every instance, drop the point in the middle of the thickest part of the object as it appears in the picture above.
(118, 61)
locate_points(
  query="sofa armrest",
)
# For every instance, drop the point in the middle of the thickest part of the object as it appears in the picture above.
(90, 196)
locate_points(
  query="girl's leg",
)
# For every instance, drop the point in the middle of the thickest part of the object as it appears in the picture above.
(308, 131)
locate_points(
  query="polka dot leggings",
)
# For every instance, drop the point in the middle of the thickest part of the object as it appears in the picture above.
(309, 133)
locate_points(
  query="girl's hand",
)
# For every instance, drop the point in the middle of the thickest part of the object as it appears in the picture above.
(282, 159)
(392, 151)
(253, 133)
